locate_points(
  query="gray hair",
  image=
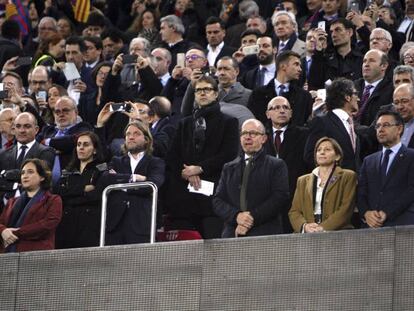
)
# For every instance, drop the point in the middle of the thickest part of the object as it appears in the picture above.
(174, 22)
(405, 47)
(386, 33)
(48, 19)
(404, 69)
(167, 54)
(248, 8)
(145, 43)
(289, 14)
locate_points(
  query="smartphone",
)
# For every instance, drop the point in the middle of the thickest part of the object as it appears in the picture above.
(42, 95)
(24, 61)
(4, 94)
(129, 58)
(321, 93)
(322, 25)
(120, 107)
(251, 49)
(181, 60)
(355, 7)
(280, 7)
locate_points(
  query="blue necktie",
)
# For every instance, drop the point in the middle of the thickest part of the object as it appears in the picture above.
(56, 165)
(384, 164)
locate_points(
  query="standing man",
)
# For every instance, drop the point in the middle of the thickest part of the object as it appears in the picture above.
(386, 181)
(204, 141)
(284, 25)
(342, 104)
(253, 190)
(129, 213)
(288, 69)
(403, 101)
(161, 61)
(373, 88)
(215, 33)
(265, 71)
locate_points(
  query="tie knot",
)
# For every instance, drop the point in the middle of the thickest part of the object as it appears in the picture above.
(278, 132)
(368, 87)
(387, 152)
(23, 147)
(282, 87)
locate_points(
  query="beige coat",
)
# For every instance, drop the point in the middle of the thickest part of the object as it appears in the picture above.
(337, 206)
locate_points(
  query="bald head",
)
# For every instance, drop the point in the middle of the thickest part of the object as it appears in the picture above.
(403, 101)
(7, 117)
(252, 136)
(279, 112)
(39, 79)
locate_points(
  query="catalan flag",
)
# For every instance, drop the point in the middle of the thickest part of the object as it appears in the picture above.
(81, 9)
(17, 11)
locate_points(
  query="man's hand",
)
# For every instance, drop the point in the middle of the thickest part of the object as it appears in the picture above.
(239, 56)
(79, 86)
(321, 39)
(375, 219)
(118, 65)
(195, 75)
(104, 115)
(241, 230)
(142, 63)
(10, 65)
(190, 170)
(245, 219)
(89, 188)
(355, 18)
(195, 181)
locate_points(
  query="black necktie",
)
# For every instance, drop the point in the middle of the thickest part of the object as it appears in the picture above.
(278, 140)
(243, 189)
(261, 76)
(20, 159)
(384, 164)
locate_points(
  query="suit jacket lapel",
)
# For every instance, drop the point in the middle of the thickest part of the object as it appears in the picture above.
(141, 165)
(334, 179)
(335, 119)
(399, 157)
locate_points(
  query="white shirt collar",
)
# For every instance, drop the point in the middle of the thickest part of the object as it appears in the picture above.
(394, 148)
(283, 129)
(29, 145)
(341, 114)
(217, 48)
(374, 84)
(271, 67)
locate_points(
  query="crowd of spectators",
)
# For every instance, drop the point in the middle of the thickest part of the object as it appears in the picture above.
(252, 117)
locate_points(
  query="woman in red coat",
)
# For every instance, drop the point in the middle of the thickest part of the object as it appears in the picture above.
(28, 222)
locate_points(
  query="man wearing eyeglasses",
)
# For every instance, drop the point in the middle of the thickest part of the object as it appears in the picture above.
(253, 192)
(286, 141)
(204, 141)
(403, 102)
(386, 180)
(62, 135)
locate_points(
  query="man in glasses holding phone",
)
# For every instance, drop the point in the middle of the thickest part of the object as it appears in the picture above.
(253, 192)
(204, 141)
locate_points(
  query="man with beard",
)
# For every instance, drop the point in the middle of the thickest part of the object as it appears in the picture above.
(129, 212)
(265, 72)
(204, 141)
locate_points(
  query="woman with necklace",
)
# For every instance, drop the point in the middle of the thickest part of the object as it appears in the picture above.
(81, 201)
(324, 199)
(28, 222)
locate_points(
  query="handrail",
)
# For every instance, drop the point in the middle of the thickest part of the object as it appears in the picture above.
(136, 185)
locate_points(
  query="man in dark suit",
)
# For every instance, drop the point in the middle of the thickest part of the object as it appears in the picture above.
(386, 180)
(374, 89)
(129, 213)
(286, 141)
(342, 103)
(253, 193)
(61, 136)
(204, 141)
(230, 91)
(25, 129)
(216, 48)
(403, 102)
(288, 70)
(266, 69)
(26, 147)
(9, 41)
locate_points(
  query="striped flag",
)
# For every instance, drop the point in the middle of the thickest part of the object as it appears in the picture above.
(81, 9)
(17, 11)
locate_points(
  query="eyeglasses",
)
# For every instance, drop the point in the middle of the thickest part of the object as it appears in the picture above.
(64, 110)
(408, 57)
(251, 133)
(384, 125)
(193, 57)
(25, 126)
(278, 107)
(378, 38)
(402, 101)
(204, 90)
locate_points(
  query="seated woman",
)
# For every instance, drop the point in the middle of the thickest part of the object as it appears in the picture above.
(28, 222)
(324, 199)
(81, 201)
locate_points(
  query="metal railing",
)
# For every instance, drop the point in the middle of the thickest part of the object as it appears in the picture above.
(137, 185)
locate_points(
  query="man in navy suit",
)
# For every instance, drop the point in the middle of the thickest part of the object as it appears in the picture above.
(386, 180)
(129, 213)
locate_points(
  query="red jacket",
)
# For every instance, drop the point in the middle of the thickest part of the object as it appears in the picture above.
(38, 229)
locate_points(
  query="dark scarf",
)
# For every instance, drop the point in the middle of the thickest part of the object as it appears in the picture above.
(199, 116)
(20, 209)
